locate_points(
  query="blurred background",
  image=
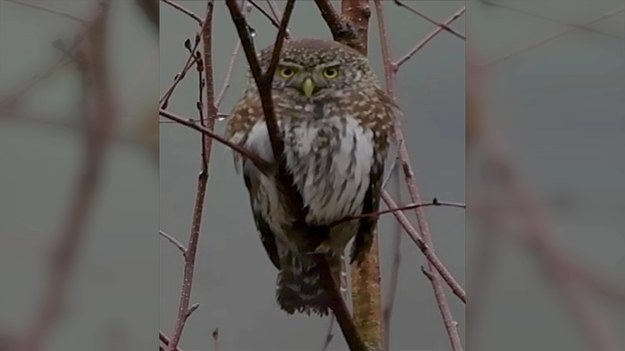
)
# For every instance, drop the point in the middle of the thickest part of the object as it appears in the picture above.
(546, 130)
(111, 297)
(234, 281)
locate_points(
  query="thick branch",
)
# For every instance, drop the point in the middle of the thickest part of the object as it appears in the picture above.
(338, 306)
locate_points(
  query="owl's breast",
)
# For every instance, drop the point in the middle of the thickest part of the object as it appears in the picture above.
(330, 160)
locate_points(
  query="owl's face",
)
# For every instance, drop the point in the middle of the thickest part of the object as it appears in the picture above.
(313, 70)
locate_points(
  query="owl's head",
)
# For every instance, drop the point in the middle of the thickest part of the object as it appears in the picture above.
(317, 69)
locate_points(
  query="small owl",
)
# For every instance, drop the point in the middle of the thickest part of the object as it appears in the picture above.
(336, 124)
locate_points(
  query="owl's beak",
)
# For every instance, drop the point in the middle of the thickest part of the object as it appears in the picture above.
(308, 87)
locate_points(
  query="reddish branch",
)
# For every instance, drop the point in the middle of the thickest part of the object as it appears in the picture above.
(210, 111)
(434, 277)
(97, 137)
(191, 61)
(275, 19)
(434, 202)
(184, 10)
(429, 254)
(420, 45)
(444, 26)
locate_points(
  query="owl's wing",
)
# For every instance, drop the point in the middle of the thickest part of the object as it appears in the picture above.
(371, 203)
(267, 236)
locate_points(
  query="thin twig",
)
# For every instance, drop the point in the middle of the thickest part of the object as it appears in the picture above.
(261, 164)
(552, 37)
(427, 18)
(211, 113)
(191, 61)
(226, 85)
(68, 57)
(195, 120)
(429, 254)
(437, 286)
(434, 202)
(274, 10)
(175, 242)
(184, 10)
(49, 10)
(274, 21)
(585, 27)
(420, 45)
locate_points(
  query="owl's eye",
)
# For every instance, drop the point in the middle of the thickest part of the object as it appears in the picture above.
(286, 72)
(330, 72)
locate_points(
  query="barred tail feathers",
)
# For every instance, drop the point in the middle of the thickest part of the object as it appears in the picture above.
(299, 286)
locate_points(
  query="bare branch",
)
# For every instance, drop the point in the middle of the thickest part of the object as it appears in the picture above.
(261, 164)
(429, 37)
(211, 113)
(175, 242)
(275, 19)
(437, 286)
(427, 18)
(48, 10)
(434, 202)
(191, 61)
(184, 10)
(426, 250)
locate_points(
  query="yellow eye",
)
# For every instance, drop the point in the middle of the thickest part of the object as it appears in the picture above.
(330, 72)
(286, 72)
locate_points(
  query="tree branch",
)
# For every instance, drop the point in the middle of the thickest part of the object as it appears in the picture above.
(427, 18)
(97, 136)
(437, 286)
(184, 10)
(184, 311)
(420, 45)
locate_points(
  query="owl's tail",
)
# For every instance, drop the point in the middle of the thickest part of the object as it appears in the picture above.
(299, 286)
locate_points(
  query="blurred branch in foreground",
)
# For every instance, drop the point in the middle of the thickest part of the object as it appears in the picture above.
(99, 119)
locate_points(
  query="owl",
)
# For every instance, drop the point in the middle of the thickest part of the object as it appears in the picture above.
(336, 124)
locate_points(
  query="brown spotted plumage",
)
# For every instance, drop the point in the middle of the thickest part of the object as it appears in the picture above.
(336, 123)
